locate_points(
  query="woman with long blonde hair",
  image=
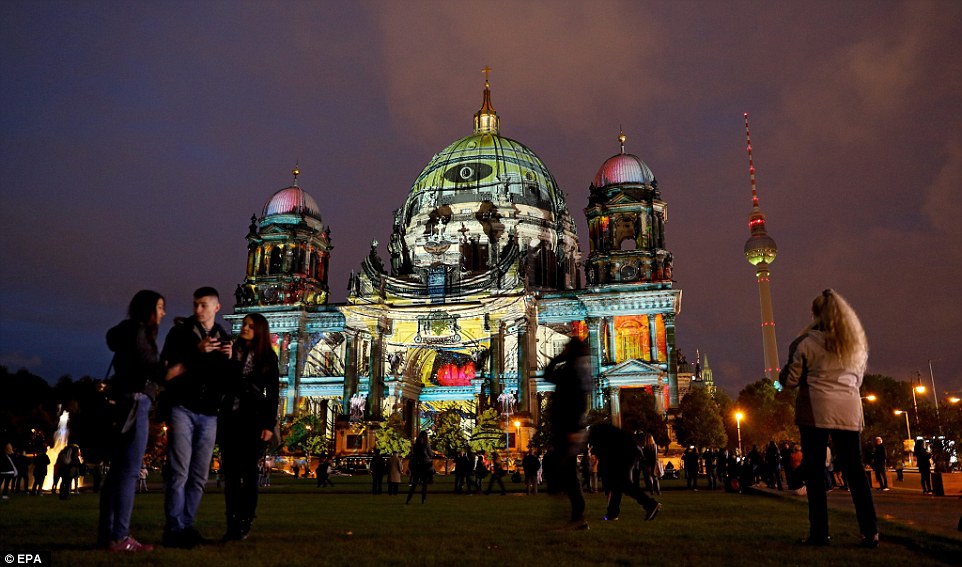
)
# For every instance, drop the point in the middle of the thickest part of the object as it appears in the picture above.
(826, 363)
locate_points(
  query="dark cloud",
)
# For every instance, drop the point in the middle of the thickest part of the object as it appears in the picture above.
(138, 140)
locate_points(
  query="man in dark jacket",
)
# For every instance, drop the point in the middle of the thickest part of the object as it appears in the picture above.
(531, 465)
(617, 453)
(197, 352)
(878, 465)
(378, 468)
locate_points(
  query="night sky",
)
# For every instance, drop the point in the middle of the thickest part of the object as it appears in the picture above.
(138, 138)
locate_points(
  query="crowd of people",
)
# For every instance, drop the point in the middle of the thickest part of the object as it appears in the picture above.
(209, 389)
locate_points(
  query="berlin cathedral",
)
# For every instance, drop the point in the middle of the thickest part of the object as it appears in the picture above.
(485, 283)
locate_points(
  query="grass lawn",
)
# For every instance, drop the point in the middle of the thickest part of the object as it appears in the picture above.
(299, 524)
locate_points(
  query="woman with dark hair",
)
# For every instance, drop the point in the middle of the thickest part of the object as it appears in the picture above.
(247, 420)
(827, 362)
(421, 466)
(137, 373)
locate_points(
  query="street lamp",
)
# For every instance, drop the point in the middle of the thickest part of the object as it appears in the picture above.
(906, 414)
(935, 396)
(907, 429)
(517, 436)
(738, 423)
(921, 390)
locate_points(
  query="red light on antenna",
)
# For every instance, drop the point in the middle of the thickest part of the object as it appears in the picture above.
(746, 115)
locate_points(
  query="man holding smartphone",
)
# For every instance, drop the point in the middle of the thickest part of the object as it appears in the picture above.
(197, 352)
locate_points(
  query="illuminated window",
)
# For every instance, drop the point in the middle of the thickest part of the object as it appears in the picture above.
(662, 339)
(632, 338)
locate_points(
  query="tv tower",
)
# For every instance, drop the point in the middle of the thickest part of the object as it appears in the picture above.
(760, 250)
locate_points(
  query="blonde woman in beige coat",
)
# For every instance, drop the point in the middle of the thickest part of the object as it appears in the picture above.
(826, 363)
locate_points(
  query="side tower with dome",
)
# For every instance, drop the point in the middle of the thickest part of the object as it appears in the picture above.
(481, 288)
(288, 254)
(628, 306)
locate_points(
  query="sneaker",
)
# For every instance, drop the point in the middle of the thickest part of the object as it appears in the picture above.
(652, 511)
(816, 541)
(130, 545)
(869, 542)
(610, 519)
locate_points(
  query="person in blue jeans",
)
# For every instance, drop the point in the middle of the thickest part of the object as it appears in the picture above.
(134, 385)
(197, 352)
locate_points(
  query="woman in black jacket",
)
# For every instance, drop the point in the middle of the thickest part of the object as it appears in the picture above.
(421, 465)
(137, 371)
(247, 420)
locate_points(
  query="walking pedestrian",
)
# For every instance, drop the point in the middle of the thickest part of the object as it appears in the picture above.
(617, 453)
(421, 466)
(571, 376)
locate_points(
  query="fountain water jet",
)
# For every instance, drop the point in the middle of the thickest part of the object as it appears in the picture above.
(59, 442)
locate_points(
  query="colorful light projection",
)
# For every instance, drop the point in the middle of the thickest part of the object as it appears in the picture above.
(465, 409)
(633, 338)
(446, 368)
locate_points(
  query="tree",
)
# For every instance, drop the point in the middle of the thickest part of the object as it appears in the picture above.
(699, 423)
(639, 414)
(769, 414)
(487, 434)
(390, 437)
(28, 404)
(449, 438)
(300, 433)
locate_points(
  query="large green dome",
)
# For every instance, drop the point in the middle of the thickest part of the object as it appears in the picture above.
(486, 162)
(475, 194)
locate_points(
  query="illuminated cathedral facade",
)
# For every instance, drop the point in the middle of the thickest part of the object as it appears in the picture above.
(482, 287)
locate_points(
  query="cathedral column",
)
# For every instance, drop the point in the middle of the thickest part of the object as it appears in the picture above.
(653, 337)
(495, 369)
(669, 319)
(376, 385)
(350, 372)
(524, 365)
(594, 346)
(659, 392)
(293, 376)
(612, 341)
(614, 395)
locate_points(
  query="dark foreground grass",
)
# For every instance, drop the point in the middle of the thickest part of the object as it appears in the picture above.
(299, 524)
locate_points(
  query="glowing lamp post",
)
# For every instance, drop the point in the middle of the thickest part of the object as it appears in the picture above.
(920, 389)
(517, 436)
(907, 429)
(739, 416)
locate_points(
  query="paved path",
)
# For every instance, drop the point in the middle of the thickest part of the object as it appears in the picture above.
(904, 504)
